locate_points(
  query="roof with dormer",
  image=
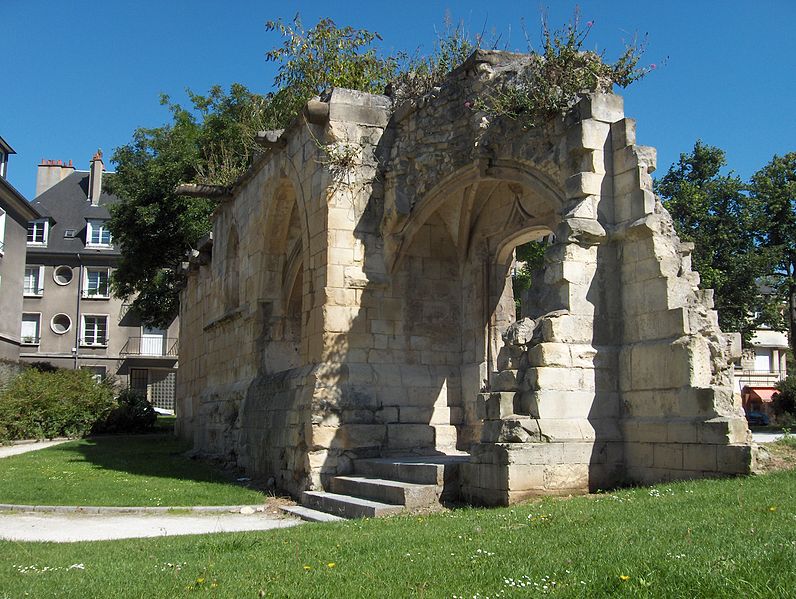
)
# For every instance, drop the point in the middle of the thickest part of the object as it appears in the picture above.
(67, 206)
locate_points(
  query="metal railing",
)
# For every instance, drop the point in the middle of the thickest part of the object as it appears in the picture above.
(150, 346)
(759, 378)
(30, 291)
(30, 340)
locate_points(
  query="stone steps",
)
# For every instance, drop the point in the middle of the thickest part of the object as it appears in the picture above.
(409, 495)
(309, 514)
(347, 506)
(431, 470)
(386, 486)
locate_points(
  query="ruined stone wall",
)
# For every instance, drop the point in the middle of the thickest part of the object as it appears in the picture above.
(356, 303)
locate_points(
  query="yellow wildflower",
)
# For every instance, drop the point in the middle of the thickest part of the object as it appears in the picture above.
(624, 577)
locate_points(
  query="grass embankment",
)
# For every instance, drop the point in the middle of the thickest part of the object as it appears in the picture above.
(145, 470)
(726, 538)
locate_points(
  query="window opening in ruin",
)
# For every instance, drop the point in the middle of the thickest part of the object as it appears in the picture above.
(527, 268)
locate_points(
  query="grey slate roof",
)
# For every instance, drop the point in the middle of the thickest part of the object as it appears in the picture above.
(67, 206)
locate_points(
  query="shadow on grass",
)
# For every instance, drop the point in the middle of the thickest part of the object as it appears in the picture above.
(153, 455)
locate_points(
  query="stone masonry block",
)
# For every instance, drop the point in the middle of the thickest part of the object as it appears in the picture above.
(668, 456)
(506, 380)
(623, 133)
(409, 436)
(573, 477)
(633, 205)
(547, 403)
(499, 405)
(608, 108)
(724, 430)
(734, 459)
(584, 184)
(639, 455)
(699, 457)
(560, 379)
(588, 135)
(524, 477)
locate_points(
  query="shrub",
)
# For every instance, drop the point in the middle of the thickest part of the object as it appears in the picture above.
(62, 403)
(133, 414)
(557, 74)
(785, 398)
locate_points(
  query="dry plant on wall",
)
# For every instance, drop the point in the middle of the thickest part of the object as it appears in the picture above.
(557, 74)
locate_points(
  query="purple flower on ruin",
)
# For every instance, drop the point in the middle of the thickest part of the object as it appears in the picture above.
(653, 66)
(589, 23)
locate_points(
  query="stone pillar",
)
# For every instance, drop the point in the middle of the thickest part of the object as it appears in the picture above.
(680, 419)
(550, 417)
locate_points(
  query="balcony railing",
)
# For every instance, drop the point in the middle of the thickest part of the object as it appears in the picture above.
(759, 378)
(33, 291)
(97, 293)
(30, 340)
(151, 346)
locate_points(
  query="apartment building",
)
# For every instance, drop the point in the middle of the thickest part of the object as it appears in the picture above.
(15, 212)
(70, 317)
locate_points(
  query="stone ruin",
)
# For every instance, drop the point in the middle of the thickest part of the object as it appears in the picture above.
(354, 301)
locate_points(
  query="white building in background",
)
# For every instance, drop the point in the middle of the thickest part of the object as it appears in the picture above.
(763, 364)
(70, 318)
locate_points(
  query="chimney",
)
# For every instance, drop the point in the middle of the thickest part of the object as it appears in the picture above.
(95, 178)
(51, 172)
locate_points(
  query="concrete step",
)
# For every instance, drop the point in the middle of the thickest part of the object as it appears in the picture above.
(431, 470)
(410, 495)
(310, 515)
(347, 506)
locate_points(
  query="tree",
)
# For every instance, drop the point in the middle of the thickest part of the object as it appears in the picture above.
(315, 61)
(213, 142)
(724, 222)
(152, 225)
(774, 188)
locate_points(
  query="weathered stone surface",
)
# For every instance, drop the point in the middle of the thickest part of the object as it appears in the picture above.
(356, 301)
(519, 333)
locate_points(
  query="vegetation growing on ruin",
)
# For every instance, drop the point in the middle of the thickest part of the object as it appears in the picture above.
(213, 139)
(554, 77)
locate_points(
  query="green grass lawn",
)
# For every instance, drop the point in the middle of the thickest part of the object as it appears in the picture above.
(727, 538)
(143, 470)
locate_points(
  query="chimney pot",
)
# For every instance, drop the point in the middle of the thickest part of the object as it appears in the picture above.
(95, 178)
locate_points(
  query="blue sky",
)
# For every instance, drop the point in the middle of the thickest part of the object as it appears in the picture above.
(81, 75)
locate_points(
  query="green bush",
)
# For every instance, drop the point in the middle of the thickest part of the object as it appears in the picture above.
(133, 414)
(785, 398)
(62, 403)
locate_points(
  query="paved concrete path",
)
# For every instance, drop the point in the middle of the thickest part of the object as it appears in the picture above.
(9, 450)
(67, 528)
(766, 437)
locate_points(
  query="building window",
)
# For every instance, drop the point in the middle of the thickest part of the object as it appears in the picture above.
(139, 380)
(62, 275)
(37, 231)
(60, 324)
(98, 234)
(33, 284)
(30, 333)
(97, 283)
(95, 330)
